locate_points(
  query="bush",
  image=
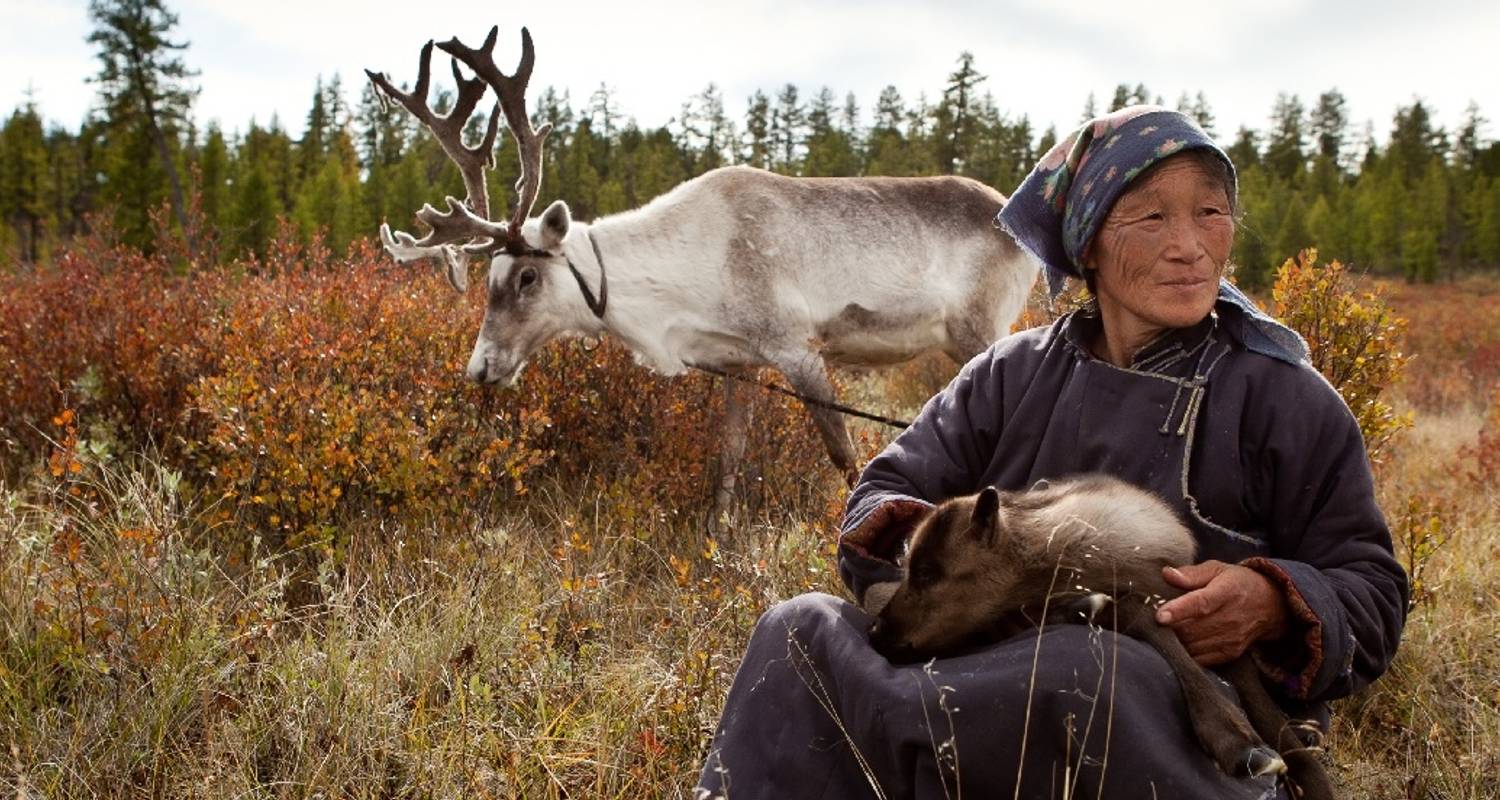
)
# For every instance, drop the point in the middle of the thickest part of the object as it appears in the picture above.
(1354, 340)
(338, 392)
(302, 389)
(114, 337)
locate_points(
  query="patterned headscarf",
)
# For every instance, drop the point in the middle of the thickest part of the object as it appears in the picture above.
(1059, 207)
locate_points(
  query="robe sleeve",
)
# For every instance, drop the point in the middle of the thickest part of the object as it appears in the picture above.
(1331, 548)
(941, 455)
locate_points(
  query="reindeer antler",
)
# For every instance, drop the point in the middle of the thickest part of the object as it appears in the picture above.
(511, 90)
(470, 220)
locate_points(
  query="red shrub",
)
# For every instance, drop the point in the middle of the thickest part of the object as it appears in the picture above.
(303, 395)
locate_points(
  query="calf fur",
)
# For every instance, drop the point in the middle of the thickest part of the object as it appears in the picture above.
(979, 566)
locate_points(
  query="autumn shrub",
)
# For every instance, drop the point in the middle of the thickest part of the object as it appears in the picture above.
(300, 389)
(340, 392)
(110, 334)
(1354, 339)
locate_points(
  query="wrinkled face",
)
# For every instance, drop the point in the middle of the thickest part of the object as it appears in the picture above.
(1160, 252)
(954, 583)
(523, 300)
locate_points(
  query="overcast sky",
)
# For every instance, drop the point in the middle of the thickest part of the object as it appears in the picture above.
(257, 58)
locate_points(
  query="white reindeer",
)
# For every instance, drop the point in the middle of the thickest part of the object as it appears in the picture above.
(737, 268)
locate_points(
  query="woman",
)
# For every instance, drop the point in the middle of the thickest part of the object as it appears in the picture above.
(1173, 381)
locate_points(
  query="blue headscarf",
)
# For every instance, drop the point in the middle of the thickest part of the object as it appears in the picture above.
(1059, 207)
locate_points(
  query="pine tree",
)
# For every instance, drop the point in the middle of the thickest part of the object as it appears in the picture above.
(830, 152)
(788, 124)
(143, 85)
(1414, 141)
(1203, 113)
(956, 128)
(1286, 154)
(758, 130)
(886, 150)
(213, 178)
(1330, 123)
(1245, 152)
(23, 176)
(1047, 142)
(1090, 109)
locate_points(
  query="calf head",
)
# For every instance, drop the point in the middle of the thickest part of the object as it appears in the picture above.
(957, 574)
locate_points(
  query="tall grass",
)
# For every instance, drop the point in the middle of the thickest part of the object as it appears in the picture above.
(572, 640)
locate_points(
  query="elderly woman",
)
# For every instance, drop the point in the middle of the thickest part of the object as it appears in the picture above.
(1170, 379)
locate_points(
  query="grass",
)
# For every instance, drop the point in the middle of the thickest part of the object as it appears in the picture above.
(550, 648)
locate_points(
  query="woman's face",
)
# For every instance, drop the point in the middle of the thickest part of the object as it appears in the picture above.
(1160, 252)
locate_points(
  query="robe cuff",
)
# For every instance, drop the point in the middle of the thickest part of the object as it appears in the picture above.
(1292, 661)
(880, 532)
(868, 548)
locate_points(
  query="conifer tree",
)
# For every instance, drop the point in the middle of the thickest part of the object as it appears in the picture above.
(956, 127)
(788, 130)
(1286, 154)
(758, 131)
(23, 174)
(143, 85)
(1329, 121)
(886, 150)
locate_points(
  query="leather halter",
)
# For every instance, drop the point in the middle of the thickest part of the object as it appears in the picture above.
(596, 305)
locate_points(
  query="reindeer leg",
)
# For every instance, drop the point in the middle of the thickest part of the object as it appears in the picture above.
(1305, 771)
(732, 451)
(808, 375)
(1222, 727)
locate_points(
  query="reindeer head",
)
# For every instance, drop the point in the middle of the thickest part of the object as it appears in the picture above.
(530, 299)
(958, 573)
(525, 293)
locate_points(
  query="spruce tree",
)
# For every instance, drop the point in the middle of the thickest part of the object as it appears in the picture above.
(956, 127)
(23, 176)
(1286, 154)
(143, 85)
(758, 131)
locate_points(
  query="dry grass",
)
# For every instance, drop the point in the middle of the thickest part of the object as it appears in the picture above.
(1431, 726)
(555, 647)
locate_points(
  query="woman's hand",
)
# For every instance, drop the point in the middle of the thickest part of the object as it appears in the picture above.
(1226, 609)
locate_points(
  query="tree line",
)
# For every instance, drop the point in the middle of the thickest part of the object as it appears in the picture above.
(1425, 204)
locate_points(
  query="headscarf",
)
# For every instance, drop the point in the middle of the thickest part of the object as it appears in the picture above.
(1059, 207)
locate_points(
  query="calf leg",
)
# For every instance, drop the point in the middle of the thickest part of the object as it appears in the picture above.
(808, 375)
(1305, 772)
(1221, 726)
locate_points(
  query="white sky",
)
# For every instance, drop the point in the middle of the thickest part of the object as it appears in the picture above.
(262, 57)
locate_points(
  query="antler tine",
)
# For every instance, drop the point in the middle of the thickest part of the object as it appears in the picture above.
(457, 224)
(512, 93)
(448, 128)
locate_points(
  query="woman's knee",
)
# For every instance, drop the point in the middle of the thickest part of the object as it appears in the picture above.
(1085, 662)
(805, 612)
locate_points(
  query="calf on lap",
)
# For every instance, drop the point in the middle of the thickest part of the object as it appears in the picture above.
(979, 567)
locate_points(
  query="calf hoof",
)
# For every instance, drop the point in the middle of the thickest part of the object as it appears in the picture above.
(1259, 761)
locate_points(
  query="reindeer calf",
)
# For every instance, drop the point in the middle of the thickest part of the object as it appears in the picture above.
(978, 566)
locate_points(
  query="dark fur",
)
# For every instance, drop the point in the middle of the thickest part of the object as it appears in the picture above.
(980, 568)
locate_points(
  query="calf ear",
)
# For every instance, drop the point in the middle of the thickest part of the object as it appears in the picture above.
(986, 516)
(555, 221)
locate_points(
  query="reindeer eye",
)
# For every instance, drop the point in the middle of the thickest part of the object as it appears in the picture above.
(528, 277)
(922, 574)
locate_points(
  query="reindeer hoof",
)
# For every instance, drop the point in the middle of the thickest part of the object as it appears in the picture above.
(1095, 603)
(1260, 761)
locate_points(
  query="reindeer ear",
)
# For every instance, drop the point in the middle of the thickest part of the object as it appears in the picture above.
(986, 514)
(555, 221)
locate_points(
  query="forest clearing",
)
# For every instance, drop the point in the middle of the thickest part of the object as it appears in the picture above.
(261, 536)
(281, 591)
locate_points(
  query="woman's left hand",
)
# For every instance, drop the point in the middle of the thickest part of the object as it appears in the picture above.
(1226, 608)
